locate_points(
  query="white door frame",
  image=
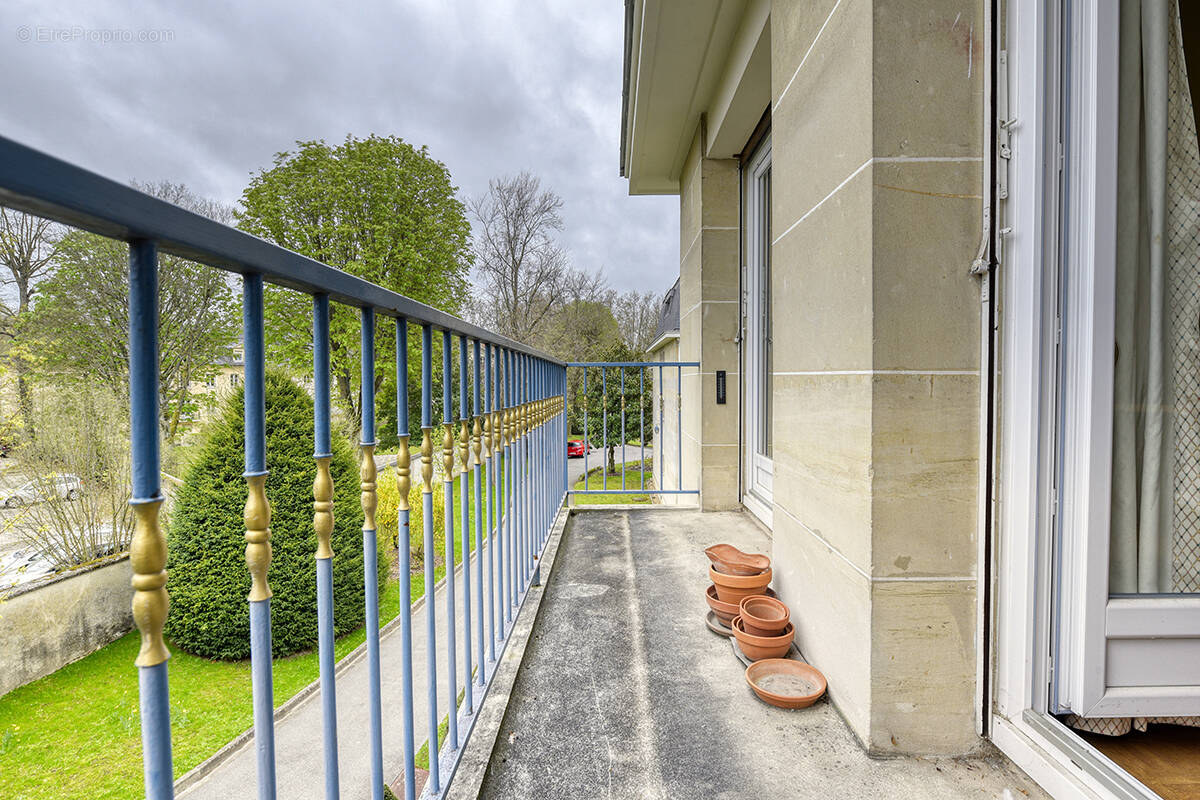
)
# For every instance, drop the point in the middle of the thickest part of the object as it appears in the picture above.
(756, 244)
(1059, 761)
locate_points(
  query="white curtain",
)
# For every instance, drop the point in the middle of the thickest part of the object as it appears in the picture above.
(1152, 72)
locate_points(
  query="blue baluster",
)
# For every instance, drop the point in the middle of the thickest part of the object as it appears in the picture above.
(448, 496)
(565, 424)
(679, 422)
(642, 420)
(660, 454)
(371, 549)
(492, 481)
(502, 488)
(623, 436)
(604, 417)
(258, 534)
(430, 556)
(403, 545)
(542, 471)
(477, 474)
(544, 458)
(148, 550)
(587, 442)
(521, 482)
(510, 506)
(323, 524)
(464, 503)
(526, 474)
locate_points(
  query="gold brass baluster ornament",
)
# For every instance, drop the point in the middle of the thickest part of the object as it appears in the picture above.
(367, 476)
(258, 536)
(403, 476)
(464, 441)
(427, 462)
(477, 441)
(323, 507)
(148, 558)
(448, 451)
(487, 436)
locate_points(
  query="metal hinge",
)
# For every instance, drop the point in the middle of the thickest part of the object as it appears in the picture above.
(1004, 125)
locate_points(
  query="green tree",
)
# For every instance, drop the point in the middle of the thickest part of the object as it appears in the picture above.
(28, 246)
(79, 327)
(607, 403)
(208, 579)
(378, 208)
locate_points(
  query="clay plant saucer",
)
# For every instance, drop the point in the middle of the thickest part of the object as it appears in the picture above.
(717, 625)
(786, 683)
(763, 616)
(726, 611)
(732, 588)
(757, 648)
(728, 559)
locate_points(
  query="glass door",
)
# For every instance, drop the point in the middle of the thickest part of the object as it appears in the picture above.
(756, 228)
(1127, 572)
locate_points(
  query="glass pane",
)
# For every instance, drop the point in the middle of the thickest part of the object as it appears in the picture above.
(764, 300)
(1155, 534)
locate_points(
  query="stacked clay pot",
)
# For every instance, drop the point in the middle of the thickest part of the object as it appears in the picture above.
(739, 597)
(763, 628)
(735, 574)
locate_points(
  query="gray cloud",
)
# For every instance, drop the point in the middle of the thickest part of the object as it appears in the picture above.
(491, 86)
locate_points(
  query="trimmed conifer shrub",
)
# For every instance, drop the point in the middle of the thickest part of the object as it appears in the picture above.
(207, 575)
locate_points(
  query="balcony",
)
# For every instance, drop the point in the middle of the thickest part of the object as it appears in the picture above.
(623, 692)
(603, 682)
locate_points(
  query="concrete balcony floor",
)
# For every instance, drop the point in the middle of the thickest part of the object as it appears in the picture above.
(624, 693)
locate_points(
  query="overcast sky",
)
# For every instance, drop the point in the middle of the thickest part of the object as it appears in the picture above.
(491, 86)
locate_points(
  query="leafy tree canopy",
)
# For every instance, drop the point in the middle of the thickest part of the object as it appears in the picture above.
(79, 327)
(378, 208)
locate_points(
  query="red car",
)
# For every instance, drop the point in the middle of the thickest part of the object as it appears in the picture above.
(575, 448)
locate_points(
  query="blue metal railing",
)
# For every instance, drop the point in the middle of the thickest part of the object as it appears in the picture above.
(659, 426)
(519, 426)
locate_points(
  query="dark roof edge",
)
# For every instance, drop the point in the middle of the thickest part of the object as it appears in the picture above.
(625, 82)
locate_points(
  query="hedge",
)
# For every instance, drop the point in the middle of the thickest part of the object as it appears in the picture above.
(207, 575)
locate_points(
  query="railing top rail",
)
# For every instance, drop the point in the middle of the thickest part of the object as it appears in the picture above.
(633, 363)
(49, 187)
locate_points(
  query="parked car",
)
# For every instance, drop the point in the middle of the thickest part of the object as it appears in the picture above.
(64, 487)
(575, 448)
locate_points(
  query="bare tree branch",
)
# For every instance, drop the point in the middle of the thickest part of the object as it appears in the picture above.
(520, 265)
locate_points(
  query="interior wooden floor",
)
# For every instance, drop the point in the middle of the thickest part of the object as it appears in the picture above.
(1166, 758)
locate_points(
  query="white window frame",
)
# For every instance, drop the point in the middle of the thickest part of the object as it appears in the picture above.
(759, 494)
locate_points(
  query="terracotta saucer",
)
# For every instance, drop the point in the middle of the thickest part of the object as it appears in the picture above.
(786, 683)
(716, 625)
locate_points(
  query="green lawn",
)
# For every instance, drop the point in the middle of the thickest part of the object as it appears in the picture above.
(634, 470)
(76, 732)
